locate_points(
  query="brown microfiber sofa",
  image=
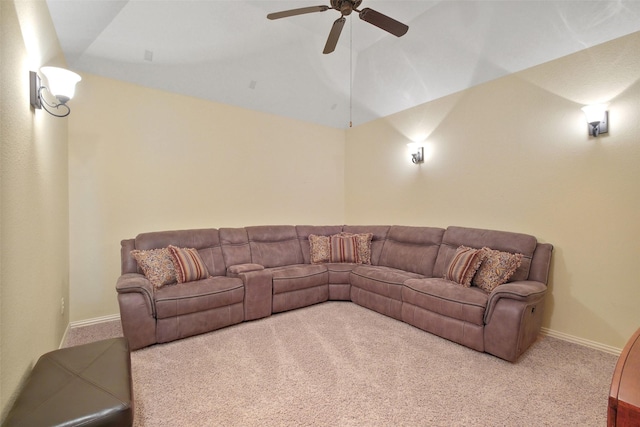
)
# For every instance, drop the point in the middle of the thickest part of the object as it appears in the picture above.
(259, 270)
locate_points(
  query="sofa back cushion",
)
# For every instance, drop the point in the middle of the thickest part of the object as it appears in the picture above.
(541, 263)
(235, 246)
(377, 242)
(274, 245)
(127, 263)
(411, 249)
(478, 238)
(304, 231)
(206, 241)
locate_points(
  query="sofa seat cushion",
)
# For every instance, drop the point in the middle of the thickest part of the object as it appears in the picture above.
(379, 280)
(200, 295)
(339, 272)
(296, 277)
(446, 298)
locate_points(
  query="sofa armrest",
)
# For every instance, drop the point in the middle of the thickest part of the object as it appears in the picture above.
(135, 282)
(524, 290)
(258, 289)
(235, 270)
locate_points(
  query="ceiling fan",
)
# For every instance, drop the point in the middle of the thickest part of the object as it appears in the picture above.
(345, 7)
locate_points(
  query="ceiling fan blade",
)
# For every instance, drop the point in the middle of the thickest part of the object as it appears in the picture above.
(390, 25)
(334, 35)
(294, 12)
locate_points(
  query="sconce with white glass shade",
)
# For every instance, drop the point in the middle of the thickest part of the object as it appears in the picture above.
(61, 84)
(598, 118)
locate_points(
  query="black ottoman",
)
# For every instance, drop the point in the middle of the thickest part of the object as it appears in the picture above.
(87, 385)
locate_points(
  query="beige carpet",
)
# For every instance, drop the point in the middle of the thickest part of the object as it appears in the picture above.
(338, 364)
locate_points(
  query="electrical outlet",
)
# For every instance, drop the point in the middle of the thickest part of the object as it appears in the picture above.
(62, 306)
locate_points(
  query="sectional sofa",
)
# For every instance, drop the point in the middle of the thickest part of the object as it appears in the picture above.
(424, 276)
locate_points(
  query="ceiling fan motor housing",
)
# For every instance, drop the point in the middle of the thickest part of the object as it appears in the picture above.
(345, 6)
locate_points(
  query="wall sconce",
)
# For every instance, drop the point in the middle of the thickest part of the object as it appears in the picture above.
(598, 118)
(417, 152)
(62, 85)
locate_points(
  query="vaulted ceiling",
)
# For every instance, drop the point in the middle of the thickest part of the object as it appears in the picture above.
(228, 51)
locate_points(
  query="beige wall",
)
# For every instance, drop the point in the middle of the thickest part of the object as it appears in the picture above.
(34, 200)
(144, 160)
(514, 154)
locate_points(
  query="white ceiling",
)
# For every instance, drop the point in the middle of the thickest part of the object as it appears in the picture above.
(228, 51)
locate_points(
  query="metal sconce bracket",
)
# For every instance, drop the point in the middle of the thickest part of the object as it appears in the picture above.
(35, 84)
(597, 128)
(418, 156)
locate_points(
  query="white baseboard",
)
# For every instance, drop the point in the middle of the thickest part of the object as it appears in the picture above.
(94, 321)
(581, 341)
(87, 322)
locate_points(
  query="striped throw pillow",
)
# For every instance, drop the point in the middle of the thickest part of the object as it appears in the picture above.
(188, 264)
(343, 248)
(463, 265)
